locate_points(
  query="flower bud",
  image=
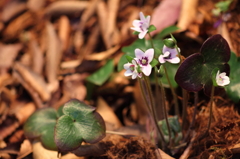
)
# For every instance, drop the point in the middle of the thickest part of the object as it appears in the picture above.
(170, 43)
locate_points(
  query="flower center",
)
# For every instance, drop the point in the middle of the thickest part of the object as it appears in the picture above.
(142, 26)
(143, 61)
(167, 57)
(132, 68)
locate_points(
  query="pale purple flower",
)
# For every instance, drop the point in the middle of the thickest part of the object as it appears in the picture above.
(169, 55)
(222, 79)
(131, 70)
(141, 25)
(144, 59)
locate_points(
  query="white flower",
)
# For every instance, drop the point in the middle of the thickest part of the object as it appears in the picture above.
(132, 70)
(144, 59)
(169, 55)
(222, 79)
(141, 25)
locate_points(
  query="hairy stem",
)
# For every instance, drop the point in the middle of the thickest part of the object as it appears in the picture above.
(191, 127)
(165, 110)
(173, 93)
(149, 106)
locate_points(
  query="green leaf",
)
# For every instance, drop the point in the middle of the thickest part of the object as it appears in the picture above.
(151, 28)
(79, 123)
(171, 70)
(174, 126)
(166, 31)
(141, 44)
(195, 72)
(223, 5)
(233, 89)
(154, 62)
(40, 125)
(101, 75)
(129, 58)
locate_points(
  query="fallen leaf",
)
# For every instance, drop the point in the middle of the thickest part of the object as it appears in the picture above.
(107, 113)
(165, 14)
(188, 13)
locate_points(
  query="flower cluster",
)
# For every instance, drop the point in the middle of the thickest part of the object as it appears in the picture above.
(141, 63)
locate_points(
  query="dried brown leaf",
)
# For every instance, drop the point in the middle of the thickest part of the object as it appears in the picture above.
(66, 7)
(165, 14)
(26, 149)
(64, 31)
(19, 24)
(39, 152)
(34, 80)
(22, 112)
(53, 57)
(37, 57)
(36, 5)
(8, 53)
(188, 13)
(12, 9)
(102, 55)
(107, 113)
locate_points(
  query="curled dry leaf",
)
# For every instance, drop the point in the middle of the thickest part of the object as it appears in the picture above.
(34, 80)
(39, 152)
(188, 13)
(66, 7)
(25, 149)
(103, 55)
(108, 114)
(165, 14)
(102, 13)
(15, 27)
(91, 8)
(37, 57)
(53, 57)
(36, 5)
(12, 9)
(8, 53)
(64, 31)
(24, 111)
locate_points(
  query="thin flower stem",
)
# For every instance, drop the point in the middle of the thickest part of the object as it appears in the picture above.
(158, 94)
(210, 114)
(173, 93)
(151, 40)
(210, 109)
(165, 110)
(191, 127)
(185, 96)
(151, 112)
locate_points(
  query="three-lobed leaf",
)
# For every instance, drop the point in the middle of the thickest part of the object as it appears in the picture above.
(195, 72)
(40, 125)
(79, 123)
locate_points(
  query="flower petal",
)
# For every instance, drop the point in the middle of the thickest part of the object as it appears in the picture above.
(142, 34)
(166, 54)
(142, 17)
(134, 75)
(149, 54)
(126, 66)
(161, 59)
(147, 70)
(128, 73)
(174, 60)
(139, 54)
